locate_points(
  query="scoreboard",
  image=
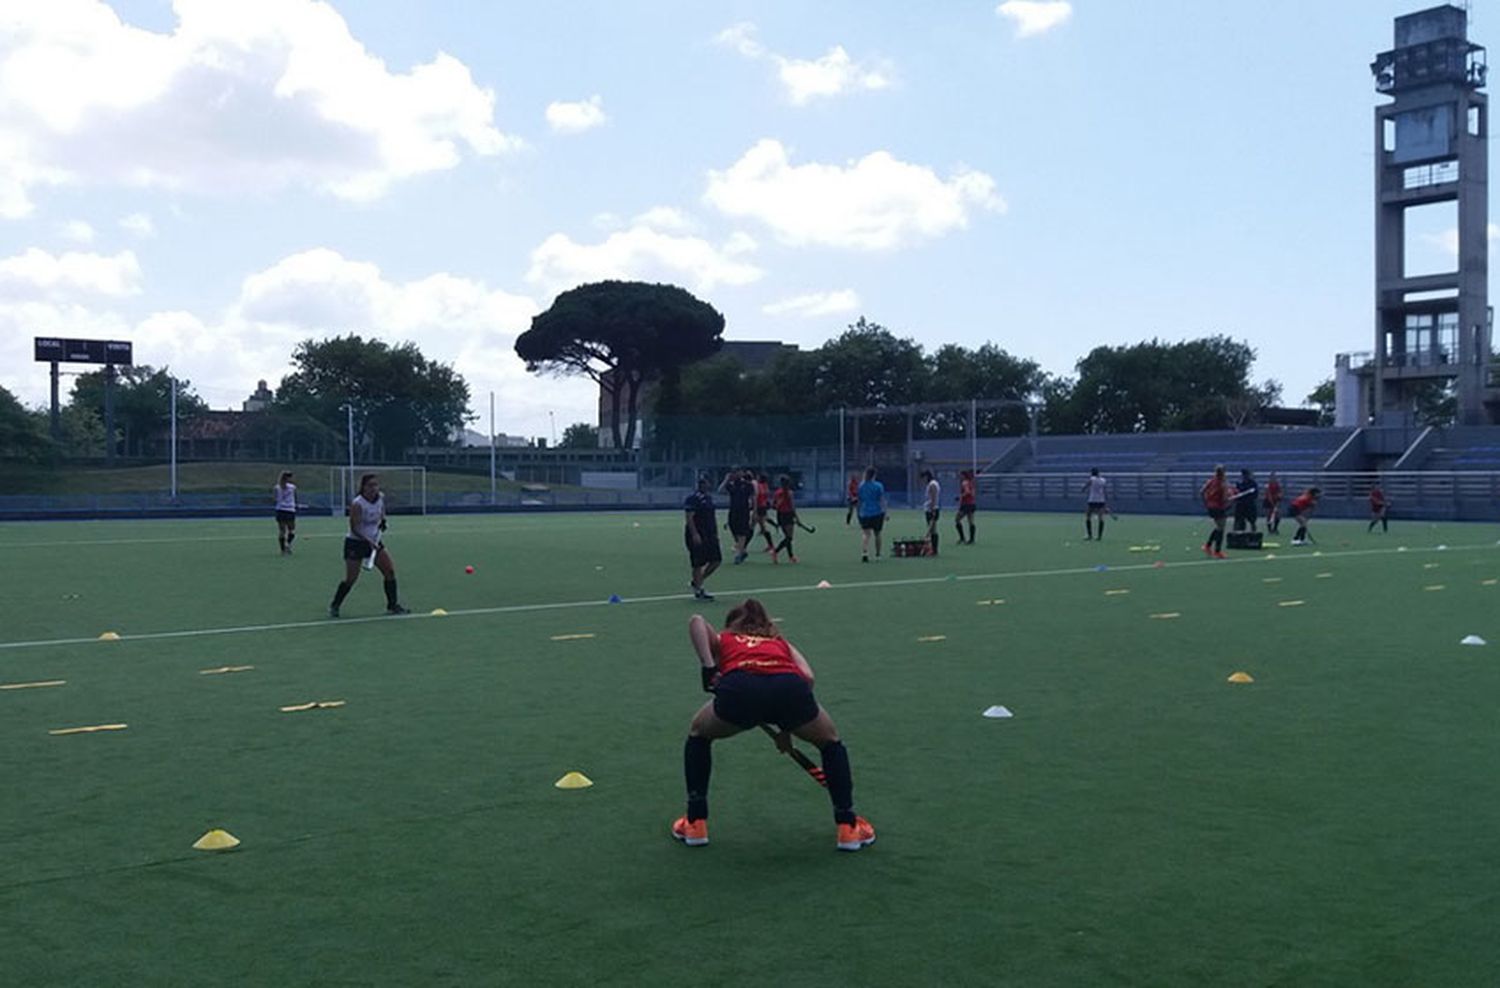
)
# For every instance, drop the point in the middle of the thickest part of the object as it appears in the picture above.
(50, 349)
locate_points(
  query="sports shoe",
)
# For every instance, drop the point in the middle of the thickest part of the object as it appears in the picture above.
(791, 558)
(740, 557)
(333, 612)
(864, 559)
(852, 836)
(1299, 542)
(701, 594)
(694, 833)
(1219, 555)
(1208, 550)
(396, 609)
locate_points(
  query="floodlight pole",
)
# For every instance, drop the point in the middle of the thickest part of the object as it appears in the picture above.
(173, 381)
(974, 435)
(56, 415)
(492, 449)
(109, 413)
(350, 409)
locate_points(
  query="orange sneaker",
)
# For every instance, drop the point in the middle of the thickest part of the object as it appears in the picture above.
(852, 836)
(694, 833)
(774, 559)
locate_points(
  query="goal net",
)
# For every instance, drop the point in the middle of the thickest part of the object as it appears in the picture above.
(404, 487)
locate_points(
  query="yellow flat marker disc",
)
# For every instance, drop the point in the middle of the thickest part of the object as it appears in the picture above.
(1431, 565)
(32, 686)
(1166, 616)
(1115, 593)
(329, 704)
(295, 707)
(573, 638)
(933, 638)
(88, 730)
(1436, 586)
(1271, 579)
(1488, 583)
(1291, 603)
(989, 603)
(1324, 576)
(224, 669)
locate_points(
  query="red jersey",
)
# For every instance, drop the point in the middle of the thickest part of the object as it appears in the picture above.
(1215, 493)
(966, 491)
(753, 654)
(1302, 502)
(762, 494)
(853, 489)
(1377, 499)
(1273, 492)
(782, 500)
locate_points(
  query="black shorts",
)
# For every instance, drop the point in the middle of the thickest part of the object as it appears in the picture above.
(286, 517)
(872, 523)
(1100, 507)
(739, 524)
(933, 515)
(965, 510)
(1298, 514)
(785, 518)
(1217, 514)
(705, 552)
(356, 548)
(746, 699)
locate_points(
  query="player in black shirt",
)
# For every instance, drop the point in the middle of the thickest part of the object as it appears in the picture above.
(701, 534)
(1246, 494)
(739, 485)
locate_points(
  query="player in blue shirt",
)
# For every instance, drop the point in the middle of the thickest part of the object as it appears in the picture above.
(871, 513)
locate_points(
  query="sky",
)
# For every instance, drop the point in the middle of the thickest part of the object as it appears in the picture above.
(218, 181)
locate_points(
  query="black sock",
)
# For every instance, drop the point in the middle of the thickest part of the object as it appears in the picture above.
(971, 533)
(1301, 533)
(769, 544)
(291, 537)
(1088, 526)
(1371, 527)
(840, 781)
(1101, 526)
(786, 544)
(959, 528)
(934, 543)
(390, 593)
(341, 593)
(1385, 526)
(697, 765)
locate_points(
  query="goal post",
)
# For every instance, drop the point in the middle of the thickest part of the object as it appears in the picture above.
(404, 487)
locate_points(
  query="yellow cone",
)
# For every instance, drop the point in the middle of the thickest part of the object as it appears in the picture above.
(1241, 677)
(109, 636)
(216, 840)
(439, 612)
(574, 780)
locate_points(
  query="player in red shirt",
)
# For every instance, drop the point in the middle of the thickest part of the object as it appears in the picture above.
(786, 518)
(762, 508)
(1378, 506)
(1303, 506)
(852, 497)
(1216, 494)
(758, 677)
(966, 506)
(1273, 503)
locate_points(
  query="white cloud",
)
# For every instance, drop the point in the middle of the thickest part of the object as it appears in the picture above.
(138, 224)
(1447, 240)
(816, 304)
(36, 273)
(877, 202)
(575, 118)
(240, 96)
(803, 80)
(1032, 17)
(666, 219)
(77, 231)
(639, 253)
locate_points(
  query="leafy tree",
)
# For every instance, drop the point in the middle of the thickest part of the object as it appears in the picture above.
(399, 397)
(580, 435)
(1322, 398)
(21, 432)
(958, 374)
(1156, 386)
(621, 334)
(143, 402)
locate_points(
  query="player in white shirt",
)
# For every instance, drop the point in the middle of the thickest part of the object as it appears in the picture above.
(285, 493)
(1097, 489)
(363, 545)
(930, 504)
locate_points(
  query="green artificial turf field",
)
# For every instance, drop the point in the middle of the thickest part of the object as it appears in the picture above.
(1139, 821)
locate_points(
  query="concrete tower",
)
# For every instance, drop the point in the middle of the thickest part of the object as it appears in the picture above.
(1430, 149)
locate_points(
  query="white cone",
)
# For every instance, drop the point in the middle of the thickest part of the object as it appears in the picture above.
(998, 712)
(1473, 640)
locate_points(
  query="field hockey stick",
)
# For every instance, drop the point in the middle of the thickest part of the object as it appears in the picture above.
(807, 763)
(369, 562)
(809, 529)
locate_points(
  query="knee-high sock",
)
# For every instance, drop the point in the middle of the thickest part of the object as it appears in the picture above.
(390, 593)
(341, 593)
(1301, 533)
(840, 781)
(697, 765)
(1101, 526)
(1088, 525)
(786, 543)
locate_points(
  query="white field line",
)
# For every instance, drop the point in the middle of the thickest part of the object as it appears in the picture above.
(330, 623)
